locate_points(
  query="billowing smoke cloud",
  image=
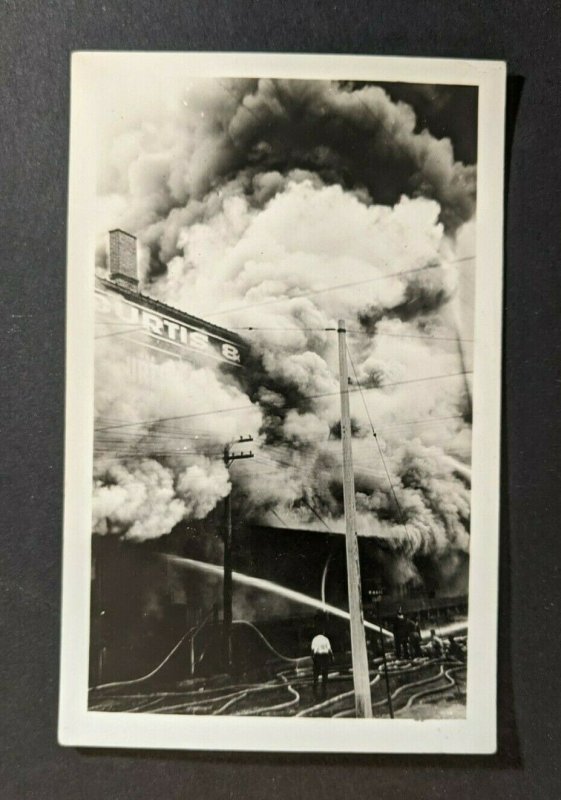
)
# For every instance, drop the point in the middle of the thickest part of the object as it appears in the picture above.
(357, 138)
(159, 453)
(281, 207)
(139, 501)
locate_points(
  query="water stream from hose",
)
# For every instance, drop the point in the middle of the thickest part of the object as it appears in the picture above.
(271, 587)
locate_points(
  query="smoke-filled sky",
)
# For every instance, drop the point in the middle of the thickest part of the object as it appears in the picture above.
(283, 206)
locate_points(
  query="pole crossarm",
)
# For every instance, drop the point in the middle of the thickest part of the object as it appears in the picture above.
(230, 457)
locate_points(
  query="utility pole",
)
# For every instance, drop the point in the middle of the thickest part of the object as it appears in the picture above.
(229, 459)
(361, 677)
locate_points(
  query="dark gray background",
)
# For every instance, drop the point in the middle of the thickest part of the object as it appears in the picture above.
(36, 39)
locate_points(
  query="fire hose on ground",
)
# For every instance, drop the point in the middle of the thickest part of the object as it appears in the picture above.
(204, 704)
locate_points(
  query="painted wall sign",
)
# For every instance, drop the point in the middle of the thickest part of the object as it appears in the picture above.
(161, 333)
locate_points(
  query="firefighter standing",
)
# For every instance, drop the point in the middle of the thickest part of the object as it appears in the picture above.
(415, 640)
(322, 655)
(435, 645)
(401, 635)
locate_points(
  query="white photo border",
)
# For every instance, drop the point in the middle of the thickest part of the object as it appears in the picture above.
(477, 732)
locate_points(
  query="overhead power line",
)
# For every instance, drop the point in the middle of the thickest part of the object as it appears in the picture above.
(156, 436)
(252, 328)
(426, 421)
(119, 333)
(335, 287)
(375, 436)
(280, 519)
(316, 514)
(153, 453)
(120, 323)
(157, 421)
(246, 407)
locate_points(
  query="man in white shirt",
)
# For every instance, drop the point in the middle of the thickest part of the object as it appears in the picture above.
(322, 655)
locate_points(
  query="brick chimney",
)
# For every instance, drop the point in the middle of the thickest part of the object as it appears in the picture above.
(122, 259)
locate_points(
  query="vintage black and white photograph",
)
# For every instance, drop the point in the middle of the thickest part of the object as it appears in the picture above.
(286, 352)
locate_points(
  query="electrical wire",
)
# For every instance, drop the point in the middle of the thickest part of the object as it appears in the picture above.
(117, 333)
(303, 397)
(156, 435)
(252, 328)
(178, 433)
(374, 434)
(153, 453)
(231, 409)
(110, 322)
(426, 421)
(316, 514)
(274, 511)
(336, 287)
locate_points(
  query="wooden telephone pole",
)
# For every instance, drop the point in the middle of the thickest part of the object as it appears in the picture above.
(361, 678)
(227, 590)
